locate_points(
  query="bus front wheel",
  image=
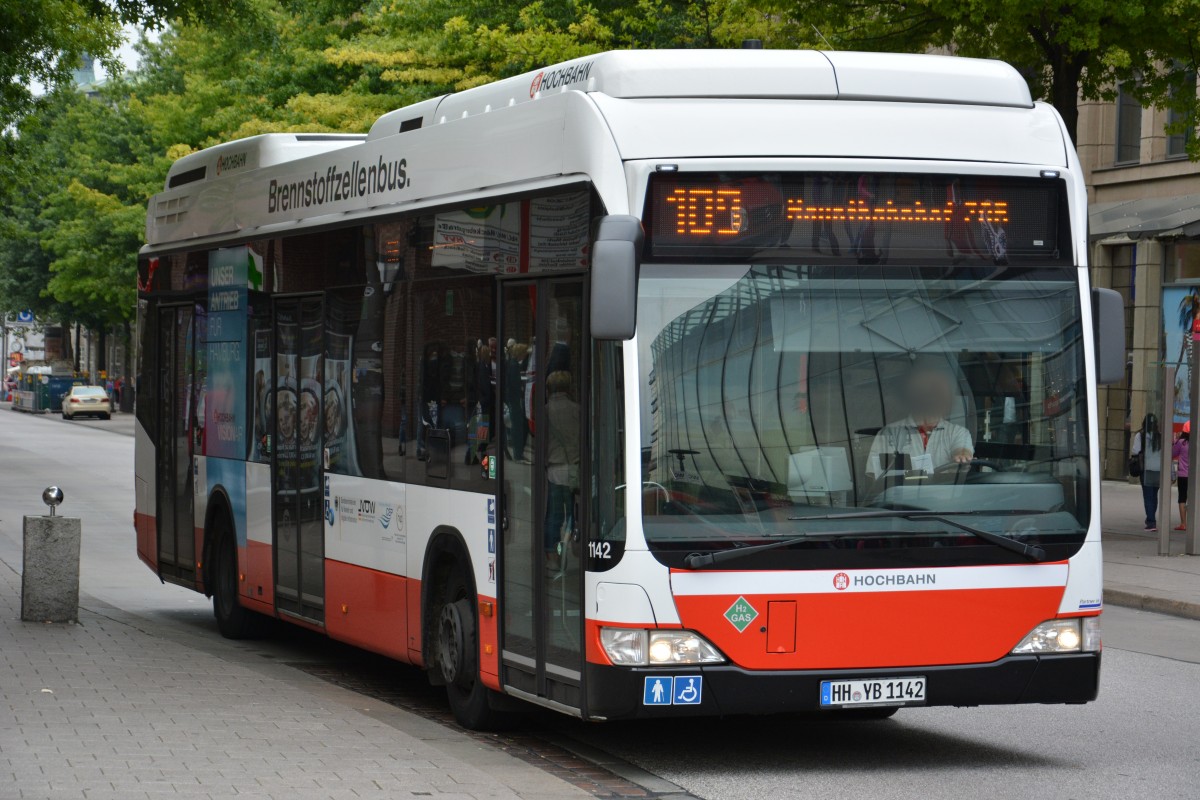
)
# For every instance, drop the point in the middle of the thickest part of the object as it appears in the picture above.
(456, 658)
(234, 621)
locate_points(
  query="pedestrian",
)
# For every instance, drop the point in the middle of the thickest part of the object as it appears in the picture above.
(1179, 455)
(1147, 449)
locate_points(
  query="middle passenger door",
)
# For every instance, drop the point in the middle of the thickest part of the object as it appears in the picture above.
(540, 386)
(299, 543)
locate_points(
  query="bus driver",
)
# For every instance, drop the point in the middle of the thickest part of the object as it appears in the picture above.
(925, 439)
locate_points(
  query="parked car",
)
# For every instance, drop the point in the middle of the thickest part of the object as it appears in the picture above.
(86, 401)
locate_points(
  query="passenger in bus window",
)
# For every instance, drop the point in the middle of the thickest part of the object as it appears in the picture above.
(562, 462)
(514, 398)
(560, 352)
(924, 440)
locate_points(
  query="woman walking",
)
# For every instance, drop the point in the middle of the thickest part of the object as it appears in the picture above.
(1179, 454)
(1147, 446)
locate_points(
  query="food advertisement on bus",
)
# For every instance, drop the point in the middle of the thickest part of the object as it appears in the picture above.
(284, 402)
(308, 406)
(225, 400)
(337, 420)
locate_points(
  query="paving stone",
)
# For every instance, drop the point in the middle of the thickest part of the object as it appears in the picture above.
(136, 712)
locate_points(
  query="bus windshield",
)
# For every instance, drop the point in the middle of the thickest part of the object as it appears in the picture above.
(777, 398)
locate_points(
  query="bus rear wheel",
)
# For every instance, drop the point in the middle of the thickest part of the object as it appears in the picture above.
(456, 658)
(234, 621)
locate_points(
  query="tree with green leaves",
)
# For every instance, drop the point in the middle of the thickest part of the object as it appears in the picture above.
(43, 41)
(1086, 48)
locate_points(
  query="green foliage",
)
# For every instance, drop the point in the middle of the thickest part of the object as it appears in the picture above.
(75, 174)
(1084, 48)
(42, 41)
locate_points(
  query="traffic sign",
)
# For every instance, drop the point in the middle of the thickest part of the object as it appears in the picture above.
(24, 317)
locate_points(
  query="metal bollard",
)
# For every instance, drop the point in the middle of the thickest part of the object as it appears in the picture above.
(50, 576)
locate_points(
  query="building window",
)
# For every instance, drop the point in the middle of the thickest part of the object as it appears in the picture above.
(1183, 261)
(1177, 142)
(1129, 128)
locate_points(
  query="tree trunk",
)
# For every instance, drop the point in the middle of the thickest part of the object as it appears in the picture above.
(1065, 91)
(75, 355)
(102, 352)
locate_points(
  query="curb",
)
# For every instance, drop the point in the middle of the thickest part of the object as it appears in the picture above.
(1145, 602)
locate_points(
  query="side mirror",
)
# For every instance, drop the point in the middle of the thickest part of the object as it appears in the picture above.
(1108, 318)
(616, 250)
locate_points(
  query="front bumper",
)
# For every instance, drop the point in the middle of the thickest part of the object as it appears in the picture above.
(617, 692)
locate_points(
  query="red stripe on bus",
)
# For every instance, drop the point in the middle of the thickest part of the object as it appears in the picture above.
(366, 608)
(258, 567)
(877, 629)
(489, 643)
(147, 539)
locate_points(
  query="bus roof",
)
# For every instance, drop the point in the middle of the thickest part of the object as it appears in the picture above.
(584, 119)
(762, 74)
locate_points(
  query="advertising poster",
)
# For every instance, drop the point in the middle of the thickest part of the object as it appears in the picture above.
(1181, 314)
(338, 422)
(225, 401)
(558, 232)
(285, 401)
(309, 406)
(260, 449)
(486, 239)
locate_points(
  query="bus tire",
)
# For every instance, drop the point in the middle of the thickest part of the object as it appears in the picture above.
(234, 620)
(456, 657)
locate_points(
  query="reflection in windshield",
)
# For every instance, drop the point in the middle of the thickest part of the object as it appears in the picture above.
(775, 393)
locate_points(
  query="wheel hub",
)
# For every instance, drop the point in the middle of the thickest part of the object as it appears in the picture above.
(450, 643)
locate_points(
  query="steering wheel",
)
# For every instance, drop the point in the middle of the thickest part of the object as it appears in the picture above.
(974, 464)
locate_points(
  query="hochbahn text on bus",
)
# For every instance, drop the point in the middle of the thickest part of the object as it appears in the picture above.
(648, 384)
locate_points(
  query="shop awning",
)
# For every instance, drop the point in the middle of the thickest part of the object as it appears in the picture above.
(1143, 219)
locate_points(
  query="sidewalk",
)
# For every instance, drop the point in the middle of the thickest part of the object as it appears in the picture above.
(118, 706)
(125, 706)
(1134, 574)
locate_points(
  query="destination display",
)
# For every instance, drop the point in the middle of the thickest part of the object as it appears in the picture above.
(866, 218)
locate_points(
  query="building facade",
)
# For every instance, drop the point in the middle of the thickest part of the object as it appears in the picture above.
(1144, 242)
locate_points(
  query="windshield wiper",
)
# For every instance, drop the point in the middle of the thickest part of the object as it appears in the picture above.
(1031, 552)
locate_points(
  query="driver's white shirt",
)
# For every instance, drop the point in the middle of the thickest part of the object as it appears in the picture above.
(904, 436)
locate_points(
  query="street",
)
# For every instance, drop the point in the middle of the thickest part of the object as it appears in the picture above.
(1140, 739)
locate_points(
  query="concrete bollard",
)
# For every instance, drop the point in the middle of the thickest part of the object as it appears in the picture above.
(50, 576)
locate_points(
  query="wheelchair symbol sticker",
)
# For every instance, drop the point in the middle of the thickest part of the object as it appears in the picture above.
(687, 690)
(665, 690)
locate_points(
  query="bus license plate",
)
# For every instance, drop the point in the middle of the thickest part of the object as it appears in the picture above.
(873, 692)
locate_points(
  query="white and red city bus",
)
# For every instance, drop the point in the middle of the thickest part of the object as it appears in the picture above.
(651, 383)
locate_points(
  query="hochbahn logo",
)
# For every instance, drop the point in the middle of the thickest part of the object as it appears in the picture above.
(231, 162)
(337, 184)
(563, 76)
(842, 581)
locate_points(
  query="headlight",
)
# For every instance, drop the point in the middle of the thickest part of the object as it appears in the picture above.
(624, 646)
(1063, 636)
(634, 647)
